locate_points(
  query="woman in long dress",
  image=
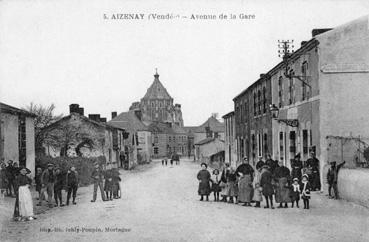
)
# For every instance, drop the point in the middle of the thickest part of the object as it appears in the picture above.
(245, 189)
(258, 196)
(204, 182)
(23, 210)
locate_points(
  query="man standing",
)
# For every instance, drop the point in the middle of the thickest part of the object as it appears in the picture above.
(72, 184)
(58, 187)
(47, 183)
(98, 177)
(271, 163)
(332, 178)
(313, 164)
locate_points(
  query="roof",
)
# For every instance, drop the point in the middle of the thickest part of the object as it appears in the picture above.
(214, 125)
(228, 115)
(84, 118)
(308, 45)
(207, 140)
(158, 127)
(128, 121)
(157, 90)
(5, 108)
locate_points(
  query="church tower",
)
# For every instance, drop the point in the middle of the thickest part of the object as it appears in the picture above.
(157, 105)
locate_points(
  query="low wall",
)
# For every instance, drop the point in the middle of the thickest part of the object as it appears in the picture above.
(353, 185)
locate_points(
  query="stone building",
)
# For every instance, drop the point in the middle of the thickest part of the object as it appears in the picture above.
(230, 142)
(210, 150)
(17, 136)
(157, 105)
(167, 140)
(77, 135)
(131, 122)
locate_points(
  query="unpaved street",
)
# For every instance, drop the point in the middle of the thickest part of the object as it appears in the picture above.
(161, 204)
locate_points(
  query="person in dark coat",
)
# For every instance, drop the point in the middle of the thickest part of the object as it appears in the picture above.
(47, 183)
(10, 174)
(98, 178)
(38, 181)
(58, 187)
(266, 184)
(232, 186)
(245, 168)
(223, 182)
(204, 182)
(72, 184)
(314, 179)
(282, 185)
(295, 192)
(332, 177)
(305, 190)
(23, 209)
(296, 167)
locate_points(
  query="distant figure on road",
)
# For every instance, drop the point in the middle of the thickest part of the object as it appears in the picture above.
(98, 177)
(204, 185)
(162, 162)
(332, 178)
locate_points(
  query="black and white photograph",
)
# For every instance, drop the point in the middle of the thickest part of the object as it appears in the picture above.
(174, 121)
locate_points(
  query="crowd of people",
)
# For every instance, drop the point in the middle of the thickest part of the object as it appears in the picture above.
(16, 182)
(174, 158)
(270, 180)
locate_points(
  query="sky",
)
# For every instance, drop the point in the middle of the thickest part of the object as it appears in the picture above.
(65, 51)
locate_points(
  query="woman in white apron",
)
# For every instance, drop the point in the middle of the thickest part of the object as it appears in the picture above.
(23, 210)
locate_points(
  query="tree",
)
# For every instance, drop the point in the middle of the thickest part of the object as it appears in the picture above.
(44, 117)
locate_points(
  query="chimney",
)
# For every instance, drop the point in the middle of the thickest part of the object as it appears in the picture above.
(81, 111)
(94, 117)
(103, 120)
(74, 108)
(138, 114)
(315, 32)
(303, 42)
(113, 115)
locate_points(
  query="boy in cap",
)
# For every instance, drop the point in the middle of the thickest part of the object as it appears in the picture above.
(47, 183)
(58, 187)
(98, 177)
(305, 190)
(72, 184)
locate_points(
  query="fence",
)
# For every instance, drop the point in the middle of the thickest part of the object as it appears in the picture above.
(353, 150)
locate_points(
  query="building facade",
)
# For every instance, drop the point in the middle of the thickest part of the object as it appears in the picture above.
(76, 135)
(230, 143)
(253, 120)
(17, 136)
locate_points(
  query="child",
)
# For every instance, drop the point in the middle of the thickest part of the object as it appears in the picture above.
(38, 182)
(305, 190)
(295, 192)
(116, 184)
(109, 184)
(215, 188)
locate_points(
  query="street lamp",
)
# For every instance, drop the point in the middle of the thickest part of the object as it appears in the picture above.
(274, 110)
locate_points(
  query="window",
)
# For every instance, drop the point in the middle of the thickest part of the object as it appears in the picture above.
(305, 141)
(264, 100)
(293, 143)
(260, 145)
(170, 138)
(22, 140)
(290, 101)
(156, 139)
(259, 102)
(265, 143)
(304, 69)
(280, 91)
(281, 147)
(255, 104)
(152, 104)
(156, 150)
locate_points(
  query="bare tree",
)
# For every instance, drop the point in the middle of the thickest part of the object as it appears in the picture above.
(44, 117)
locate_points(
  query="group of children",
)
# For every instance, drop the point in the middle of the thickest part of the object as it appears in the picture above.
(231, 185)
(108, 181)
